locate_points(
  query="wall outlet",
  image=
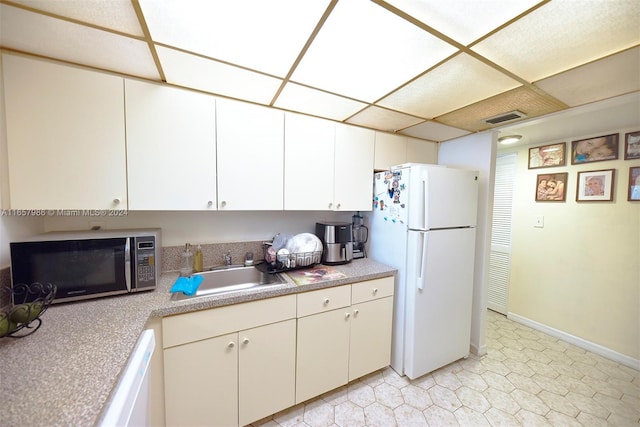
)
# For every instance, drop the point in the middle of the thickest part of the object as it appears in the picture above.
(539, 222)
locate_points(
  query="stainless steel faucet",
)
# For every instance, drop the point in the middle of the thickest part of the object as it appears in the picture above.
(227, 258)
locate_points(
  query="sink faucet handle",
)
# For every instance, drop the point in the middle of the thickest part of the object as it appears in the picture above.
(227, 258)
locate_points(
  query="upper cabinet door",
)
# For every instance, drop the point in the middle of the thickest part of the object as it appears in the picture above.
(308, 163)
(65, 136)
(171, 148)
(250, 156)
(354, 153)
(390, 150)
(419, 151)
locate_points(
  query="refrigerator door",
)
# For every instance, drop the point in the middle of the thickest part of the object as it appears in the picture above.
(439, 292)
(390, 197)
(442, 197)
(388, 244)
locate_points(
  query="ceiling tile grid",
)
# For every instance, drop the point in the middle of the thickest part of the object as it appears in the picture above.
(429, 69)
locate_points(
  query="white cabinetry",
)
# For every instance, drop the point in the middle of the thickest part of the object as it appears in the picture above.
(353, 168)
(171, 148)
(231, 365)
(328, 166)
(250, 142)
(391, 150)
(308, 163)
(65, 136)
(343, 334)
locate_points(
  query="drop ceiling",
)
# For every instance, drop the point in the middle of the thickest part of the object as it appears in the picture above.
(429, 69)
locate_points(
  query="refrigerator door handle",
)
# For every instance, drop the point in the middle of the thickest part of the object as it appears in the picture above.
(423, 262)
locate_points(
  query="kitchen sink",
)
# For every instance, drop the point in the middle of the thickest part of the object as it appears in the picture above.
(234, 278)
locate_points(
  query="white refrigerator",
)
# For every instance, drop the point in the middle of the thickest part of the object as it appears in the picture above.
(423, 224)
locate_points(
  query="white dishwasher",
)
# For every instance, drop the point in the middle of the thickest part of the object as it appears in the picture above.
(130, 405)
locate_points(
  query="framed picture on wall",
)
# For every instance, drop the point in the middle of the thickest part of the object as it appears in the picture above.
(632, 145)
(634, 184)
(547, 156)
(594, 149)
(551, 187)
(595, 186)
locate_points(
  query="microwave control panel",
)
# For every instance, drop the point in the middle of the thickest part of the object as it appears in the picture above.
(145, 265)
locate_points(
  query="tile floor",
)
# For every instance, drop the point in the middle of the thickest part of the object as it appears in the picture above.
(527, 378)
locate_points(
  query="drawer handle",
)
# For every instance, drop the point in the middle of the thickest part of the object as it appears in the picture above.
(245, 341)
(326, 301)
(355, 312)
(375, 291)
(231, 344)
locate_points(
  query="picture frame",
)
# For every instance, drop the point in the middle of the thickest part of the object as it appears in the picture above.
(597, 149)
(632, 145)
(595, 186)
(551, 187)
(633, 193)
(547, 156)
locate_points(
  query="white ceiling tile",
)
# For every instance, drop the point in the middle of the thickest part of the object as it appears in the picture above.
(261, 35)
(382, 119)
(42, 35)
(364, 52)
(434, 131)
(117, 15)
(315, 102)
(460, 81)
(464, 20)
(195, 72)
(563, 34)
(606, 78)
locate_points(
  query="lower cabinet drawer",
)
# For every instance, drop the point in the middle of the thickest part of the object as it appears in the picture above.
(199, 325)
(323, 300)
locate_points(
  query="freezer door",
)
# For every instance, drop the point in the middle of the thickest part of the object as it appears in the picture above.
(439, 292)
(442, 197)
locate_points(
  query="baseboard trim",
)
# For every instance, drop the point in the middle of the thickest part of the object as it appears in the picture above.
(577, 341)
(478, 351)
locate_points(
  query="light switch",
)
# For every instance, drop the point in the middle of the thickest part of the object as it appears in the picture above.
(539, 223)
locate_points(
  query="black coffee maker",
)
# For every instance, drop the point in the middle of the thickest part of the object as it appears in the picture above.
(360, 236)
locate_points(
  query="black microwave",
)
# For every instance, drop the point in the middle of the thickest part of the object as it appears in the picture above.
(89, 264)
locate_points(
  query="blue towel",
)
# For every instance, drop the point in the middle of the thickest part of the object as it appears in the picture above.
(187, 285)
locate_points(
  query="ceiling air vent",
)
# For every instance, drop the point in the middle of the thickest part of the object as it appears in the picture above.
(506, 117)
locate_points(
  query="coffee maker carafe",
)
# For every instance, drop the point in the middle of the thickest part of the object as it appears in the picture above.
(360, 236)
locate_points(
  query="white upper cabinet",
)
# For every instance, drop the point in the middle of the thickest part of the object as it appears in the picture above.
(250, 142)
(354, 152)
(419, 151)
(394, 150)
(65, 136)
(328, 166)
(308, 163)
(171, 148)
(390, 150)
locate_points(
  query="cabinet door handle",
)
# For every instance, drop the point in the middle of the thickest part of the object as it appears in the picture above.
(210, 203)
(347, 315)
(375, 291)
(338, 206)
(245, 341)
(116, 201)
(231, 344)
(355, 312)
(330, 205)
(223, 203)
(326, 301)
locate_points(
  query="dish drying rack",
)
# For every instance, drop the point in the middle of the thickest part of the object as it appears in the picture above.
(21, 307)
(291, 261)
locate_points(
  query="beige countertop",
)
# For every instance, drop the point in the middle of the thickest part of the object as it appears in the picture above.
(65, 372)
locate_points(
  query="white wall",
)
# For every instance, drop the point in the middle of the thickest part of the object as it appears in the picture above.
(478, 152)
(580, 274)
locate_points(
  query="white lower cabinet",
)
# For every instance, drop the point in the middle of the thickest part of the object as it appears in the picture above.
(345, 343)
(232, 378)
(237, 364)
